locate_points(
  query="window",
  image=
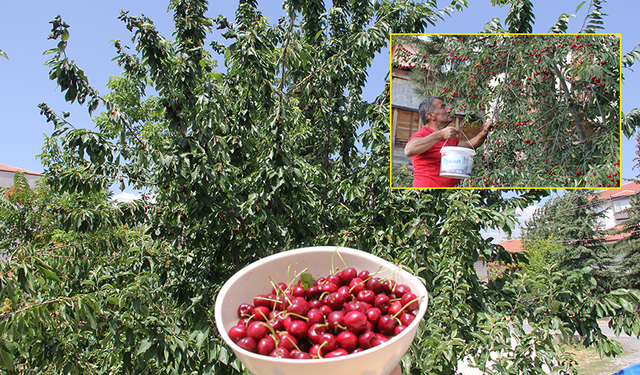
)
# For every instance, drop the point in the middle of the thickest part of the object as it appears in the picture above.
(621, 205)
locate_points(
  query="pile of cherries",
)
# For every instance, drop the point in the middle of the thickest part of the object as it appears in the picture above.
(343, 313)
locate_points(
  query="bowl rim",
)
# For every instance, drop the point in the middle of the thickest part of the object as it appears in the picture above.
(287, 253)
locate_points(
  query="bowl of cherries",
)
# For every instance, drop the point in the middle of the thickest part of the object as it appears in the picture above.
(320, 310)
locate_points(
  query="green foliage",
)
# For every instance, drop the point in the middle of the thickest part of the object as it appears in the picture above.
(23, 216)
(540, 254)
(593, 21)
(555, 99)
(573, 220)
(628, 245)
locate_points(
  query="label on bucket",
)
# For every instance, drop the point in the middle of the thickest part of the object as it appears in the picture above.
(456, 164)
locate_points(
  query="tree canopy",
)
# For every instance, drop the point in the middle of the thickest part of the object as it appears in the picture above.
(237, 165)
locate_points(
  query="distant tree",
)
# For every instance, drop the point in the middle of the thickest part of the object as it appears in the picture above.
(629, 267)
(540, 254)
(573, 220)
(629, 245)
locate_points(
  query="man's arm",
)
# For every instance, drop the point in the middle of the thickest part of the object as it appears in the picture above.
(419, 145)
(479, 139)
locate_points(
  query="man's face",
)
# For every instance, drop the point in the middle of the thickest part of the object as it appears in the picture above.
(441, 114)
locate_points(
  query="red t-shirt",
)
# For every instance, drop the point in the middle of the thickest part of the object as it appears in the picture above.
(426, 166)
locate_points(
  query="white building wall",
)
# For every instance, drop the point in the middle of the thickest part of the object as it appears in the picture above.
(6, 179)
(402, 93)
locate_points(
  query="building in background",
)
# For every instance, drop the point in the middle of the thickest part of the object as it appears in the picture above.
(615, 201)
(7, 172)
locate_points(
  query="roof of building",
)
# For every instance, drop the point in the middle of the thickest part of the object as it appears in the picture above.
(8, 168)
(512, 246)
(625, 190)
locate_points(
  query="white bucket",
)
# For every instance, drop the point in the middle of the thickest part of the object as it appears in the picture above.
(457, 162)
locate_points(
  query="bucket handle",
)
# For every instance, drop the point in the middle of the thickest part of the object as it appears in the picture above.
(473, 148)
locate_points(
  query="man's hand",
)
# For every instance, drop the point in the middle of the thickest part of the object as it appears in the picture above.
(448, 133)
(488, 125)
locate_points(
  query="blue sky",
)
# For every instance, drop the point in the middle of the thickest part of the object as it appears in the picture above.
(25, 83)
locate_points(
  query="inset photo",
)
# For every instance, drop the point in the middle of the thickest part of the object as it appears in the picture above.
(505, 111)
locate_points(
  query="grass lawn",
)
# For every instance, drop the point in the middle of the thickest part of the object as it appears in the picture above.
(589, 362)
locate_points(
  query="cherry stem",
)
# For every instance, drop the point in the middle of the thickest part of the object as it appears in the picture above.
(296, 276)
(306, 319)
(319, 348)
(273, 331)
(361, 283)
(339, 256)
(405, 306)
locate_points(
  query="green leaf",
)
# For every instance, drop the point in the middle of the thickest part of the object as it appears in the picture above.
(6, 360)
(46, 271)
(145, 344)
(628, 306)
(307, 280)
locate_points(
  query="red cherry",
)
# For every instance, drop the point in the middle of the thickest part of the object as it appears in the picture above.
(406, 318)
(395, 307)
(355, 321)
(266, 345)
(325, 310)
(261, 313)
(245, 310)
(365, 340)
(257, 330)
(347, 275)
(299, 307)
(373, 315)
(355, 306)
(399, 329)
(300, 355)
(237, 332)
(287, 341)
(356, 285)
(336, 353)
(248, 344)
(335, 320)
(327, 343)
(315, 316)
(298, 291)
(298, 328)
(315, 331)
(280, 353)
(262, 300)
(335, 279)
(411, 302)
(329, 288)
(374, 285)
(364, 275)
(367, 295)
(347, 340)
(334, 300)
(382, 302)
(386, 324)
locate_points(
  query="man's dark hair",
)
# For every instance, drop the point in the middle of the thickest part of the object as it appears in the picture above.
(427, 106)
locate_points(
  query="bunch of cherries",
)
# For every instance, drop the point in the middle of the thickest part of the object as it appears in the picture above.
(343, 313)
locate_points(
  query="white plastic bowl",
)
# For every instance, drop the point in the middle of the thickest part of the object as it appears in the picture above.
(254, 279)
